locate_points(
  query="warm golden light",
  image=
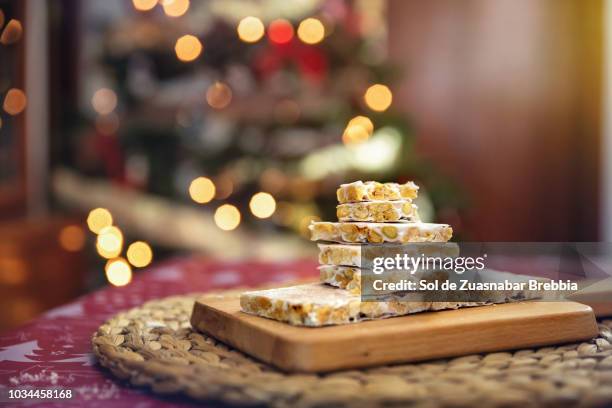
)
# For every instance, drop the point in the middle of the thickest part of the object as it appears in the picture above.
(378, 97)
(15, 101)
(311, 31)
(219, 95)
(364, 122)
(110, 239)
(104, 101)
(175, 8)
(98, 219)
(202, 190)
(262, 205)
(1, 18)
(227, 217)
(118, 272)
(13, 271)
(250, 29)
(107, 254)
(358, 130)
(139, 254)
(188, 48)
(354, 135)
(144, 5)
(72, 238)
(12, 32)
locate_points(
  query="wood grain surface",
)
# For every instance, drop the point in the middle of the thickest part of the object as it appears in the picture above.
(401, 339)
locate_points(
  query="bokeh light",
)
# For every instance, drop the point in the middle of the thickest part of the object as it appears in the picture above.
(364, 122)
(1, 18)
(144, 5)
(110, 239)
(175, 8)
(202, 190)
(354, 134)
(311, 31)
(98, 219)
(380, 152)
(15, 101)
(12, 32)
(262, 205)
(104, 101)
(107, 254)
(188, 48)
(280, 31)
(378, 97)
(218, 95)
(118, 272)
(358, 130)
(250, 29)
(72, 238)
(13, 271)
(139, 254)
(227, 217)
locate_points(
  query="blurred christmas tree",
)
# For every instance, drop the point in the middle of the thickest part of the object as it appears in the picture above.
(204, 102)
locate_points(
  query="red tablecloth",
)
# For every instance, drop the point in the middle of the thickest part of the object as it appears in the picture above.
(55, 349)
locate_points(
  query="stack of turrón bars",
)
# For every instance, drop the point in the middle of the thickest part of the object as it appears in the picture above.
(368, 213)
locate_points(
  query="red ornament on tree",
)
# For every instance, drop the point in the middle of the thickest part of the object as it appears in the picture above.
(280, 31)
(312, 63)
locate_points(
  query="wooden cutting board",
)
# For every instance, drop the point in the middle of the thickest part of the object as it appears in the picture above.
(416, 337)
(598, 296)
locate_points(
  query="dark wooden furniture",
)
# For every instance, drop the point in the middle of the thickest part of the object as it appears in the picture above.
(505, 96)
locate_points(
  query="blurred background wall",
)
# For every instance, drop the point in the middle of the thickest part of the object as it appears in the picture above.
(606, 151)
(506, 97)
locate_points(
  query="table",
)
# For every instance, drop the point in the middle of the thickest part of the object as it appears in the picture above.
(54, 350)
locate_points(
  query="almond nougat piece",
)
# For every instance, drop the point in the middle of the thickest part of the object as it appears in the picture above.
(378, 211)
(340, 254)
(317, 304)
(343, 277)
(352, 278)
(356, 254)
(371, 191)
(378, 233)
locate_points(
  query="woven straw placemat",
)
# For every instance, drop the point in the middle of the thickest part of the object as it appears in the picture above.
(154, 346)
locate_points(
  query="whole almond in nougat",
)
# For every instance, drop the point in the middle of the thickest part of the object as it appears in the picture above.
(317, 304)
